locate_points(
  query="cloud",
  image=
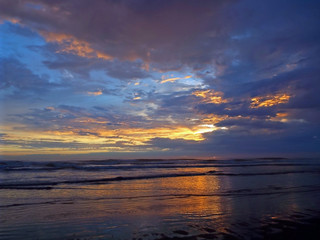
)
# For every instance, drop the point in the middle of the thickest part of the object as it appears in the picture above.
(247, 123)
(241, 142)
(123, 30)
(240, 74)
(174, 79)
(210, 96)
(126, 70)
(15, 74)
(269, 100)
(70, 44)
(96, 93)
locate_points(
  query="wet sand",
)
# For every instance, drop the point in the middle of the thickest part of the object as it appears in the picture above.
(298, 227)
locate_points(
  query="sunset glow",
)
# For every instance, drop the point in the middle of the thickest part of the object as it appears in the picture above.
(165, 79)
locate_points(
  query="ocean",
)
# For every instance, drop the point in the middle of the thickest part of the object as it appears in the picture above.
(266, 198)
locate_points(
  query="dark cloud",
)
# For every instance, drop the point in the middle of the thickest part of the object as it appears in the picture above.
(224, 32)
(19, 82)
(2, 135)
(51, 118)
(246, 142)
(126, 70)
(72, 63)
(291, 139)
(234, 109)
(125, 29)
(67, 117)
(15, 74)
(252, 124)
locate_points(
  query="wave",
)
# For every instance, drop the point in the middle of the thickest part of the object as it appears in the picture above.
(264, 173)
(31, 185)
(105, 165)
(270, 190)
(50, 184)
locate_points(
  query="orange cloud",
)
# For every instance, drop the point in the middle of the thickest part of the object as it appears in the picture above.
(96, 93)
(50, 108)
(269, 100)
(95, 136)
(210, 96)
(10, 19)
(281, 117)
(174, 79)
(141, 136)
(214, 119)
(70, 44)
(88, 120)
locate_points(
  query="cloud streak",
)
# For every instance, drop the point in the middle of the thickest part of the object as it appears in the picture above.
(174, 79)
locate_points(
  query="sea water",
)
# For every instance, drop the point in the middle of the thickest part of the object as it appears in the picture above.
(156, 198)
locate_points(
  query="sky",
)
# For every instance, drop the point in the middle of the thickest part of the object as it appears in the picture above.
(84, 79)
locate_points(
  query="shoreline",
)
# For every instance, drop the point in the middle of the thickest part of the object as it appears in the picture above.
(296, 227)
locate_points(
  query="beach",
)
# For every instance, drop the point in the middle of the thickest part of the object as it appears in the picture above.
(160, 199)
